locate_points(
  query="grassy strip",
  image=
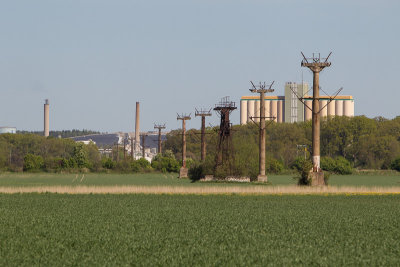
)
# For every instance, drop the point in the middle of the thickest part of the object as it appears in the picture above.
(195, 190)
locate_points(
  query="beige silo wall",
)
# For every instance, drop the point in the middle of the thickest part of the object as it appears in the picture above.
(257, 111)
(331, 108)
(339, 107)
(267, 109)
(243, 112)
(250, 110)
(280, 110)
(307, 111)
(274, 109)
(323, 108)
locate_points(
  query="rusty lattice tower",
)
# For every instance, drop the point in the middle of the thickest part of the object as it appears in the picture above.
(159, 127)
(225, 153)
(261, 89)
(183, 172)
(203, 113)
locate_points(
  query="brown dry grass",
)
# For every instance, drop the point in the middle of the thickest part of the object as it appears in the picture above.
(256, 190)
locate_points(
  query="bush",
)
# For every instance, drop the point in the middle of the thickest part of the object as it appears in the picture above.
(33, 162)
(304, 173)
(196, 172)
(273, 166)
(165, 163)
(396, 164)
(339, 165)
(107, 163)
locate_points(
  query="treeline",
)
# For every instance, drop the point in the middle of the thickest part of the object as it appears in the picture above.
(34, 153)
(346, 143)
(63, 133)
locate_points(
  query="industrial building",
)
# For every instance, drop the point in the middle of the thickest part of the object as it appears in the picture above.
(289, 108)
(12, 130)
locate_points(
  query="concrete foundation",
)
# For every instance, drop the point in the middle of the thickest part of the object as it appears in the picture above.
(183, 172)
(262, 178)
(317, 178)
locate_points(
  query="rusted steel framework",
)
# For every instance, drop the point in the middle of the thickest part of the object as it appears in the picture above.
(261, 89)
(159, 127)
(203, 113)
(225, 151)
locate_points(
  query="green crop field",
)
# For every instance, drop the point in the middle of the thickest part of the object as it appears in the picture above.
(170, 179)
(54, 229)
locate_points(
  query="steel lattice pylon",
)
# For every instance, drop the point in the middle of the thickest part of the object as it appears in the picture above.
(225, 157)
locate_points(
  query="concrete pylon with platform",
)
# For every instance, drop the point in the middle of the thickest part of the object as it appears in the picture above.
(183, 172)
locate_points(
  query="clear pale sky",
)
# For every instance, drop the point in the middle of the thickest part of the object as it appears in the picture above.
(94, 59)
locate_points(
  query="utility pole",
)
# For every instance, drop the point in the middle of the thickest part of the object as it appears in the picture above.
(183, 172)
(132, 148)
(261, 89)
(203, 113)
(124, 148)
(159, 127)
(316, 65)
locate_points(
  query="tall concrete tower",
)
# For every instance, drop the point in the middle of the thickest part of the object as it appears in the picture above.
(46, 118)
(137, 133)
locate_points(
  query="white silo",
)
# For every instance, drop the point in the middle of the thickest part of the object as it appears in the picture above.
(280, 110)
(274, 109)
(250, 110)
(323, 108)
(339, 107)
(307, 110)
(267, 109)
(257, 111)
(243, 111)
(348, 108)
(331, 108)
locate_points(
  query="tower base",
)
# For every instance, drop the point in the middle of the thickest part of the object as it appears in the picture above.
(262, 178)
(317, 178)
(183, 172)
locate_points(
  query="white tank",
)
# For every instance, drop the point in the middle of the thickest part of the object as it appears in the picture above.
(348, 108)
(243, 112)
(250, 110)
(307, 111)
(257, 111)
(274, 109)
(331, 108)
(267, 109)
(339, 107)
(280, 110)
(323, 108)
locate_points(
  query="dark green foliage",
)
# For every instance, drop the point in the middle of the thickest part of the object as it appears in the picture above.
(303, 168)
(176, 230)
(33, 162)
(339, 165)
(273, 166)
(396, 164)
(364, 142)
(196, 172)
(108, 163)
(165, 162)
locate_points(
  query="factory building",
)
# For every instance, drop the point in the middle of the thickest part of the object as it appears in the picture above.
(12, 130)
(289, 109)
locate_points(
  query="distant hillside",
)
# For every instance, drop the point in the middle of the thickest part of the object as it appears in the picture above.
(63, 133)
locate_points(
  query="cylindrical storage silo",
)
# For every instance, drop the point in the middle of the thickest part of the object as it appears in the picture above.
(267, 109)
(257, 111)
(351, 108)
(323, 108)
(347, 108)
(250, 109)
(307, 110)
(331, 108)
(274, 109)
(339, 107)
(243, 112)
(280, 110)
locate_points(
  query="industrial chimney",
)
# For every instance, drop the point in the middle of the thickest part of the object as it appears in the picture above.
(46, 118)
(137, 134)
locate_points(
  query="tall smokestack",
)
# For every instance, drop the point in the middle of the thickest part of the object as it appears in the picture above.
(137, 135)
(46, 118)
